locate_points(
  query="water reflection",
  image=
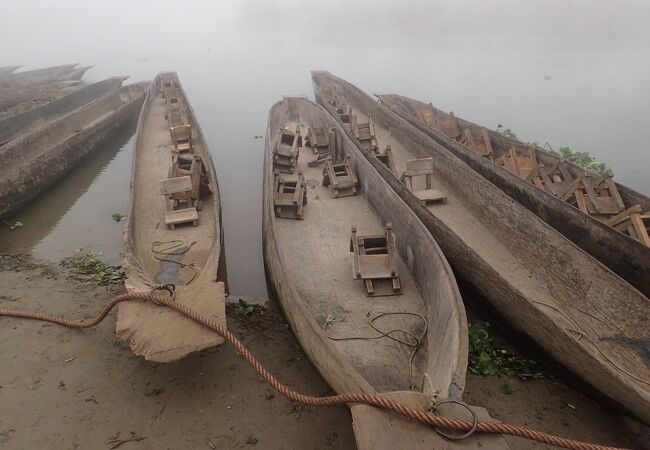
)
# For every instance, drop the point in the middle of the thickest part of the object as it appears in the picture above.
(76, 212)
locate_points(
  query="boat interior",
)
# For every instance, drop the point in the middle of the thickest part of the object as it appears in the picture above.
(593, 194)
(343, 258)
(559, 280)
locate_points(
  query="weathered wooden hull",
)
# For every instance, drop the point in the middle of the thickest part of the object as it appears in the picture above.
(159, 334)
(36, 160)
(36, 76)
(589, 319)
(627, 257)
(308, 285)
(21, 124)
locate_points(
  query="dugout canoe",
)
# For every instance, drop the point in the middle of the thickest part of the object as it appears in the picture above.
(26, 122)
(34, 161)
(627, 256)
(589, 319)
(309, 265)
(8, 69)
(188, 257)
(35, 76)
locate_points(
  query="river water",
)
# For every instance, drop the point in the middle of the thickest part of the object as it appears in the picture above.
(546, 70)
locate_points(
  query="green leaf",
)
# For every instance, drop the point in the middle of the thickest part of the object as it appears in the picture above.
(506, 389)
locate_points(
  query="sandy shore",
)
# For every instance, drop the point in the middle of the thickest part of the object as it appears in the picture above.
(71, 389)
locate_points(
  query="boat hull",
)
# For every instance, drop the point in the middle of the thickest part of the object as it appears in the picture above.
(557, 271)
(24, 180)
(627, 257)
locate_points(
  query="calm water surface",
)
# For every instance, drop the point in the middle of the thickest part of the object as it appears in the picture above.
(588, 89)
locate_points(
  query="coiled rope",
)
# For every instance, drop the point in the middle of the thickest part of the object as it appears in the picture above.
(334, 400)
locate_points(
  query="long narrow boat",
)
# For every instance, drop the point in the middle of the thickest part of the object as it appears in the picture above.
(611, 225)
(23, 123)
(173, 233)
(35, 76)
(8, 69)
(585, 316)
(31, 163)
(310, 238)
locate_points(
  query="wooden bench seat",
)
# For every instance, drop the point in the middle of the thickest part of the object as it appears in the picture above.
(289, 197)
(375, 262)
(285, 152)
(340, 178)
(422, 167)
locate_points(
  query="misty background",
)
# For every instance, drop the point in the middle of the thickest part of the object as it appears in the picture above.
(488, 61)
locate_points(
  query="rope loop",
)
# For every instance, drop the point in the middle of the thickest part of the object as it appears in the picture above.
(169, 287)
(453, 437)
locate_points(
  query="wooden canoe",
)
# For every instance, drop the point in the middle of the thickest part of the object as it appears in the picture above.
(310, 267)
(188, 257)
(585, 316)
(8, 69)
(619, 247)
(26, 122)
(35, 76)
(34, 161)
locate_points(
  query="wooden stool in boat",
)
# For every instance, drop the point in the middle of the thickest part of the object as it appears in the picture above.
(177, 190)
(192, 166)
(322, 143)
(387, 159)
(181, 138)
(554, 180)
(523, 165)
(285, 153)
(418, 168)
(340, 178)
(482, 145)
(375, 262)
(365, 134)
(347, 118)
(633, 222)
(289, 197)
(595, 195)
(450, 126)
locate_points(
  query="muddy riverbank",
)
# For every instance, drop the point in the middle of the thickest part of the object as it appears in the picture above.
(64, 389)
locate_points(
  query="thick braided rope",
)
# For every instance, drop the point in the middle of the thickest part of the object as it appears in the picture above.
(342, 399)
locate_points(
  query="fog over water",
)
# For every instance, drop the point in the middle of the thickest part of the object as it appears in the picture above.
(485, 60)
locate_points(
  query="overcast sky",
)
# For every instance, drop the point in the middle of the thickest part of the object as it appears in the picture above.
(48, 31)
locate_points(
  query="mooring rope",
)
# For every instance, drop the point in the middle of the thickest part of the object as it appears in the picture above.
(333, 400)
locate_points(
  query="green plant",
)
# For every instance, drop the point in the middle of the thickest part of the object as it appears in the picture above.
(485, 359)
(15, 225)
(507, 132)
(118, 216)
(89, 268)
(582, 159)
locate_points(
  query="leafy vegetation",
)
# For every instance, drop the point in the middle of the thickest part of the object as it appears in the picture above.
(581, 159)
(15, 225)
(485, 359)
(118, 216)
(89, 268)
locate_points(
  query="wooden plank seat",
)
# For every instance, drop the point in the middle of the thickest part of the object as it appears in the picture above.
(192, 166)
(374, 261)
(340, 178)
(555, 179)
(481, 144)
(322, 143)
(285, 152)
(595, 195)
(633, 222)
(450, 126)
(428, 115)
(365, 133)
(422, 167)
(289, 197)
(178, 190)
(524, 165)
(347, 118)
(387, 159)
(181, 136)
